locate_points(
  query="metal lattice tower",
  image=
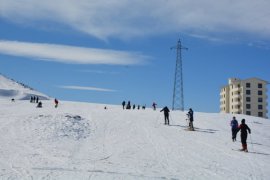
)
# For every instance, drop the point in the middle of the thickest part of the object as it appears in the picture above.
(178, 90)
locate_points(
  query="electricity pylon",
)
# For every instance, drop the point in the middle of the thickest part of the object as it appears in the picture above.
(178, 90)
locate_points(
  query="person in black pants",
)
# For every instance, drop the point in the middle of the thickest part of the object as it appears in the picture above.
(166, 114)
(244, 128)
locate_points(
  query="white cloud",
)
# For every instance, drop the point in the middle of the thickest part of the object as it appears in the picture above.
(87, 88)
(98, 72)
(127, 19)
(70, 54)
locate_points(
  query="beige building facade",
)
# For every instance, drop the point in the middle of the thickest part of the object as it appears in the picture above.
(247, 96)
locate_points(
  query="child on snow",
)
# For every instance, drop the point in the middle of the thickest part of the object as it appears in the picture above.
(244, 128)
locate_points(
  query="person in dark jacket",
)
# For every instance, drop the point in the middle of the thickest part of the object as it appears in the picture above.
(244, 128)
(56, 103)
(39, 105)
(154, 105)
(166, 114)
(234, 126)
(128, 105)
(190, 117)
(123, 104)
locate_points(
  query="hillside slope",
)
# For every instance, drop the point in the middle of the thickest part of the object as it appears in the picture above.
(86, 141)
(10, 89)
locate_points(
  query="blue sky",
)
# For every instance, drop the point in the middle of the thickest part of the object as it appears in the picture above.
(107, 52)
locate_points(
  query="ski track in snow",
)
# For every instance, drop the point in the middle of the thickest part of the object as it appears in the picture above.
(84, 141)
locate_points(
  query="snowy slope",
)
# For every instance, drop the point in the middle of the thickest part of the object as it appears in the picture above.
(11, 89)
(85, 141)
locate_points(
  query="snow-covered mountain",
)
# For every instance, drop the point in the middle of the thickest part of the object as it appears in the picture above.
(86, 141)
(10, 89)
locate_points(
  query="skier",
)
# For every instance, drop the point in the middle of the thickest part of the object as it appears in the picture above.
(244, 128)
(190, 116)
(234, 125)
(154, 106)
(37, 100)
(123, 104)
(134, 106)
(166, 114)
(56, 103)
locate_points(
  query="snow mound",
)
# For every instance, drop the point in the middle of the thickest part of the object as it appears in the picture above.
(10, 88)
(72, 127)
(62, 126)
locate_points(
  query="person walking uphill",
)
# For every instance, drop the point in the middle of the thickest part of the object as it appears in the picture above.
(166, 114)
(234, 125)
(244, 128)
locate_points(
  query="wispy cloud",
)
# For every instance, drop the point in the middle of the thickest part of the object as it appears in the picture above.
(98, 72)
(70, 54)
(87, 88)
(126, 19)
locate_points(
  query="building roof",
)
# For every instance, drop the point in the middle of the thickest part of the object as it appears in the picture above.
(254, 78)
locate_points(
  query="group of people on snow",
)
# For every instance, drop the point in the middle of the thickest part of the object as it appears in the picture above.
(128, 105)
(244, 129)
(35, 99)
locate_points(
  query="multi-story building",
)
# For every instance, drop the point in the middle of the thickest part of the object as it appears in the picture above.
(247, 96)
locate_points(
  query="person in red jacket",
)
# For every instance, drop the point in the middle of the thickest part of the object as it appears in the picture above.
(244, 129)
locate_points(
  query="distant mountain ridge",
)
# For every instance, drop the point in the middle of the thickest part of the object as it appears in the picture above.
(12, 89)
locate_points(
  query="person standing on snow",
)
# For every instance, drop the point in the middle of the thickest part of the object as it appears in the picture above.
(123, 104)
(154, 106)
(56, 103)
(244, 128)
(234, 126)
(166, 114)
(190, 117)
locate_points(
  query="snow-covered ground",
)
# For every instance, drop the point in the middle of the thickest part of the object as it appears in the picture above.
(85, 141)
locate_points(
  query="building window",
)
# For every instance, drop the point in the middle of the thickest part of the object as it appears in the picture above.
(248, 106)
(248, 85)
(247, 91)
(260, 99)
(260, 93)
(248, 113)
(259, 85)
(260, 114)
(248, 99)
(260, 106)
